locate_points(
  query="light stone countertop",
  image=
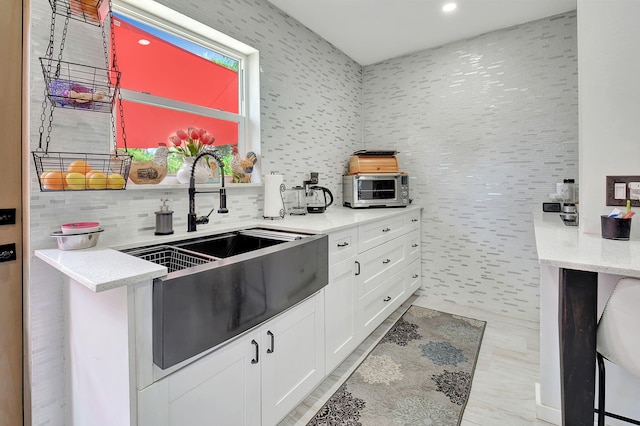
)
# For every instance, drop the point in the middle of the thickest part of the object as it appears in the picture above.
(103, 268)
(566, 247)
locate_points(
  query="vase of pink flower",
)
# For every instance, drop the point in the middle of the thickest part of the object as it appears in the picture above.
(188, 144)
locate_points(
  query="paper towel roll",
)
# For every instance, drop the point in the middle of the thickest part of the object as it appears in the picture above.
(273, 203)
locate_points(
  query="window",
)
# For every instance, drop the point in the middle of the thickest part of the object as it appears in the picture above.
(178, 73)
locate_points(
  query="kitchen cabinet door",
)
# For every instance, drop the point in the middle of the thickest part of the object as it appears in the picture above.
(373, 234)
(222, 388)
(292, 358)
(340, 339)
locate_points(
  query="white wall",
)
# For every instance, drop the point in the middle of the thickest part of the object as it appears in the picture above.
(609, 86)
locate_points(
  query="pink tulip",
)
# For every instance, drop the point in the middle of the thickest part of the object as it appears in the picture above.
(182, 134)
(202, 132)
(208, 139)
(175, 140)
(193, 133)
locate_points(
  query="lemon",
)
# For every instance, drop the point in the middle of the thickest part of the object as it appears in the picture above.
(97, 180)
(115, 181)
(76, 180)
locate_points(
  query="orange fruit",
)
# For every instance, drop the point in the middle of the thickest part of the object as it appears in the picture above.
(79, 166)
(54, 180)
(97, 180)
(115, 181)
(76, 181)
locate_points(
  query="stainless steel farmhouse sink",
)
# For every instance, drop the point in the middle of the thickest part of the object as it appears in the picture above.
(222, 285)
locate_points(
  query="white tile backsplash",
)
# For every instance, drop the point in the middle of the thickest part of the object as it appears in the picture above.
(486, 127)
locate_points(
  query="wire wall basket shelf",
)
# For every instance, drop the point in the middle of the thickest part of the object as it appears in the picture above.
(68, 171)
(90, 11)
(78, 86)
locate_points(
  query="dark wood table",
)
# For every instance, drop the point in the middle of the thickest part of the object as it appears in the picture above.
(577, 320)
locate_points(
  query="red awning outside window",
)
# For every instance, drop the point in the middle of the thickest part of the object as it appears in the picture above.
(163, 69)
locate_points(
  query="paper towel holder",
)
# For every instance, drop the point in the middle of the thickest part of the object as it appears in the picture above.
(281, 189)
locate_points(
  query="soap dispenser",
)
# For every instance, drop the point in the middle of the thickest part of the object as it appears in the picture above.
(164, 219)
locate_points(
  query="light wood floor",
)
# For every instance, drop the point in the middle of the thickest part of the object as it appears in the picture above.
(503, 389)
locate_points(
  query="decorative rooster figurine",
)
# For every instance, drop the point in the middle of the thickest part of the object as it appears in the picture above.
(242, 166)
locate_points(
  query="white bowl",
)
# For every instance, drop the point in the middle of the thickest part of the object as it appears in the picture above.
(80, 227)
(76, 241)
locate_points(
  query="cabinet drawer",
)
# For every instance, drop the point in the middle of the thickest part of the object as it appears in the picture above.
(373, 234)
(378, 305)
(380, 263)
(413, 246)
(413, 276)
(342, 245)
(413, 220)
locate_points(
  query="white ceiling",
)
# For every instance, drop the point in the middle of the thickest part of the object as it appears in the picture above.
(371, 31)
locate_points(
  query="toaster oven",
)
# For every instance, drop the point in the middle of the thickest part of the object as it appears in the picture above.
(375, 190)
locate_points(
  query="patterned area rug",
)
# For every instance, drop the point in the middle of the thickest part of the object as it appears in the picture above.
(419, 374)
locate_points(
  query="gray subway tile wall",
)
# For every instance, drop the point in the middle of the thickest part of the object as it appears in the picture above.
(486, 127)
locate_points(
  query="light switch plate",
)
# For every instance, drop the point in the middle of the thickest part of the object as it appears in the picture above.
(616, 185)
(634, 190)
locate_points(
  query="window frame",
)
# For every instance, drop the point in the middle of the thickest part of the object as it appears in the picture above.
(171, 21)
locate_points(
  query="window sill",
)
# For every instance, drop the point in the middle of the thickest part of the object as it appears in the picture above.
(170, 183)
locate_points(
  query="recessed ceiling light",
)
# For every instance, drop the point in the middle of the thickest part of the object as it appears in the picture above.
(144, 42)
(449, 7)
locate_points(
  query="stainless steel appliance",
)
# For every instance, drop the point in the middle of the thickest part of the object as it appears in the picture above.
(375, 190)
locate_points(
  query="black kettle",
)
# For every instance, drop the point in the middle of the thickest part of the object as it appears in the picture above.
(317, 199)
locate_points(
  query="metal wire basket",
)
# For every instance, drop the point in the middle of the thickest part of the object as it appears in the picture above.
(69, 171)
(77, 86)
(89, 11)
(173, 258)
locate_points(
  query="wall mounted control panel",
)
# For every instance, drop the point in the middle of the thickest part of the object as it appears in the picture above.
(623, 188)
(7, 216)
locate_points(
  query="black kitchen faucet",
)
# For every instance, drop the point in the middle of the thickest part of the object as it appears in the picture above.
(192, 218)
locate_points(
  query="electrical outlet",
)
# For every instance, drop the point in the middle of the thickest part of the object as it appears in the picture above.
(622, 188)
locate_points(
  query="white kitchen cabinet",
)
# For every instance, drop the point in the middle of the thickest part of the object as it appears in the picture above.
(221, 388)
(379, 263)
(376, 306)
(388, 271)
(381, 231)
(340, 326)
(343, 244)
(292, 358)
(414, 276)
(254, 380)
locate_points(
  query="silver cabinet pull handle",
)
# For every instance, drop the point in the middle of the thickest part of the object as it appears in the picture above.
(414, 220)
(343, 244)
(358, 265)
(256, 359)
(270, 350)
(386, 230)
(386, 261)
(386, 299)
(414, 245)
(415, 276)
